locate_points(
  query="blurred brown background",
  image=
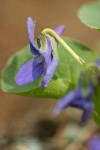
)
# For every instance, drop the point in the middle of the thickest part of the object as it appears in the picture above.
(13, 37)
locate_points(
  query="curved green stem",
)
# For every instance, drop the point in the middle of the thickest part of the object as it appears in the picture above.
(58, 38)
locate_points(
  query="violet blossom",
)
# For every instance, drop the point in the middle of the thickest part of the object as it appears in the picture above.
(94, 143)
(77, 99)
(44, 62)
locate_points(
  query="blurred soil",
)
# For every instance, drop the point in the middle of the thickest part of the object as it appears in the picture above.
(16, 112)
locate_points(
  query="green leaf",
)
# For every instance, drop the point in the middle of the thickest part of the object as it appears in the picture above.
(96, 113)
(64, 79)
(89, 14)
(56, 89)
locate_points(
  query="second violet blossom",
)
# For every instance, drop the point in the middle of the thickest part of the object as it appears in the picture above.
(94, 143)
(43, 64)
(77, 99)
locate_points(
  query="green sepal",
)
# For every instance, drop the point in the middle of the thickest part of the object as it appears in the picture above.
(43, 43)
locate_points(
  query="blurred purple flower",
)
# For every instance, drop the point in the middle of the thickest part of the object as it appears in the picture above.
(43, 63)
(94, 143)
(98, 73)
(98, 63)
(76, 99)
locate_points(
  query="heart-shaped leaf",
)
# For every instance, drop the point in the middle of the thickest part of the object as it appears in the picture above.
(89, 14)
(65, 78)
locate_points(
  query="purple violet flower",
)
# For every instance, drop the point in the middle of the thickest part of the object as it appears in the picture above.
(43, 64)
(76, 99)
(94, 143)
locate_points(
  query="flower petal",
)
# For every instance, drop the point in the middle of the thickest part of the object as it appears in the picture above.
(47, 54)
(89, 107)
(30, 71)
(67, 100)
(31, 27)
(94, 143)
(98, 62)
(90, 92)
(86, 105)
(49, 71)
(60, 29)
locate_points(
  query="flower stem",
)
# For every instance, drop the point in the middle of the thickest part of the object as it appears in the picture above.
(58, 38)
